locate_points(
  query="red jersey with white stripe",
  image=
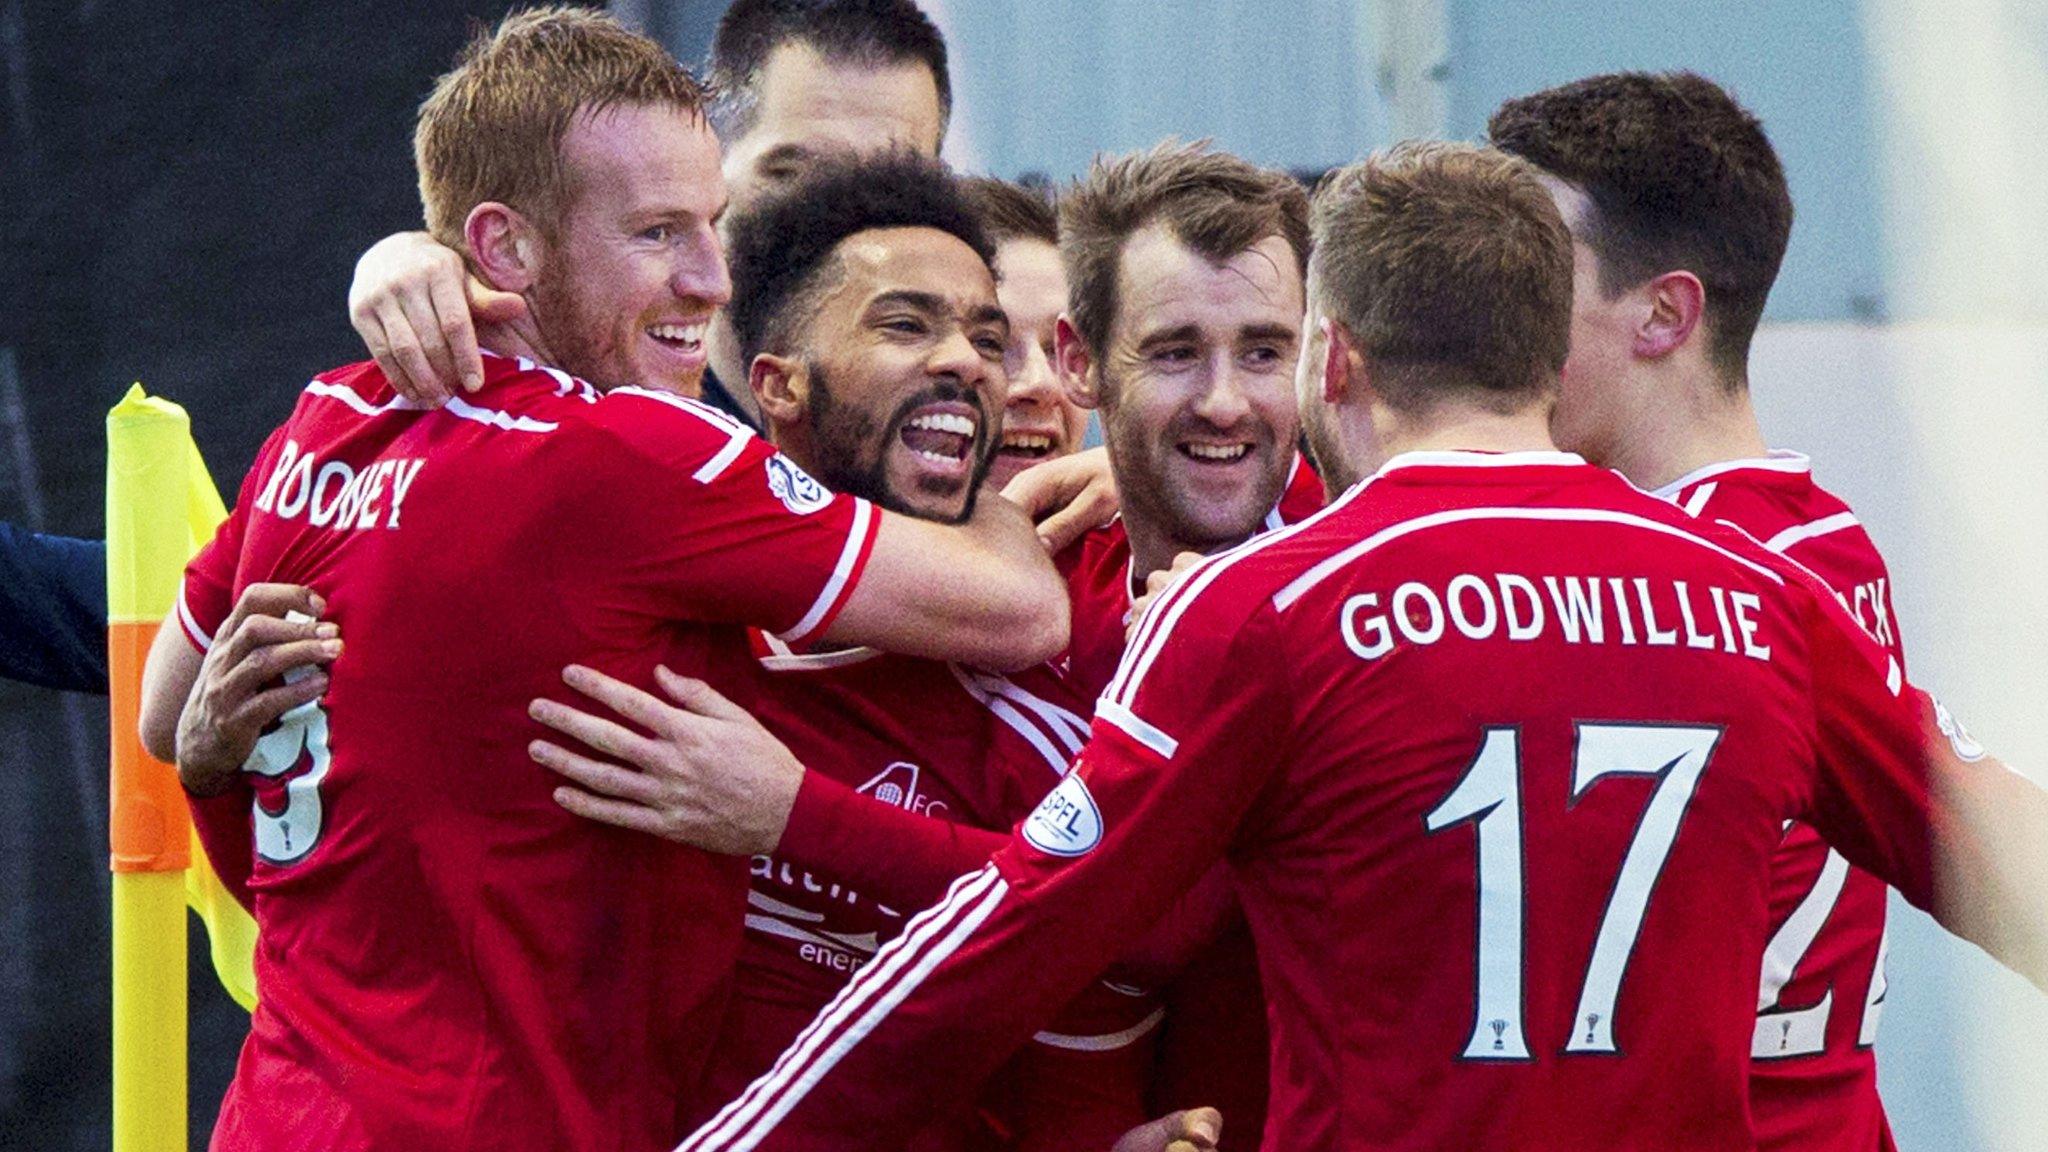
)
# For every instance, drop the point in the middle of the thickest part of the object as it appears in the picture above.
(1499, 748)
(1814, 1083)
(448, 958)
(941, 744)
(1101, 582)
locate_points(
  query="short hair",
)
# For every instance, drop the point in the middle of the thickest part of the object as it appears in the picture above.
(492, 129)
(1679, 176)
(783, 249)
(1451, 268)
(865, 33)
(1014, 211)
(1213, 202)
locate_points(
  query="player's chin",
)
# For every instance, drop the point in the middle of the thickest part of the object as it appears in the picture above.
(943, 495)
(1222, 521)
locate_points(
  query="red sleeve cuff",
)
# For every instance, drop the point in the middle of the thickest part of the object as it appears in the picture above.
(900, 858)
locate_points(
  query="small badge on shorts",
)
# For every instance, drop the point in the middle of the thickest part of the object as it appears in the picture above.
(1965, 745)
(794, 487)
(1066, 822)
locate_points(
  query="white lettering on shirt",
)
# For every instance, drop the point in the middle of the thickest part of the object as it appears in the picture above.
(333, 495)
(1510, 607)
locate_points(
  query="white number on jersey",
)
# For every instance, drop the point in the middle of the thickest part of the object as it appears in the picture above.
(1489, 794)
(285, 837)
(1787, 1032)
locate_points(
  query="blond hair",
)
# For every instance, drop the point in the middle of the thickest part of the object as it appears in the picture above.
(492, 129)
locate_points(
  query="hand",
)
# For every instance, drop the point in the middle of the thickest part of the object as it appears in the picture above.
(709, 776)
(1067, 497)
(411, 301)
(1155, 584)
(1194, 1130)
(268, 660)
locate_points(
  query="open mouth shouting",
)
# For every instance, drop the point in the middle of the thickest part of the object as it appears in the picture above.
(942, 441)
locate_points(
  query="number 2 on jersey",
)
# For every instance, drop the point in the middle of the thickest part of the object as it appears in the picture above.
(1490, 796)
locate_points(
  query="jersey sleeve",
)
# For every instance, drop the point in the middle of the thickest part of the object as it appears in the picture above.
(206, 596)
(903, 859)
(715, 524)
(1175, 761)
(1874, 799)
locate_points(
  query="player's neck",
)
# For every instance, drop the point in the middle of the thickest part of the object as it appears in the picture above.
(514, 339)
(1711, 423)
(1457, 428)
(722, 350)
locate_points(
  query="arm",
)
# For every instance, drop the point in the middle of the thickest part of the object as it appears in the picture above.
(1907, 795)
(53, 611)
(1109, 850)
(412, 301)
(712, 776)
(212, 707)
(984, 593)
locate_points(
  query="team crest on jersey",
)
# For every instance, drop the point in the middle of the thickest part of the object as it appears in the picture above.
(1066, 822)
(1965, 745)
(794, 487)
(896, 786)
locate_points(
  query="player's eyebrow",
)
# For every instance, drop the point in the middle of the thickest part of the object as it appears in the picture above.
(990, 314)
(1179, 333)
(1285, 333)
(930, 302)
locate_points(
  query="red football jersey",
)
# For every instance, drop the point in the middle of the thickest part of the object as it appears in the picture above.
(1813, 1086)
(1101, 583)
(940, 744)
(1499, 748)
(449, 959)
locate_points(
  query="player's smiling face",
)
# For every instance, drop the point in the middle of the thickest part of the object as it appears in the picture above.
(905, 372)
(1039, 422)
(635, 269)
(1197, 386)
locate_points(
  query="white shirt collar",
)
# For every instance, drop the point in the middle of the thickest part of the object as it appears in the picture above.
(1779, 460)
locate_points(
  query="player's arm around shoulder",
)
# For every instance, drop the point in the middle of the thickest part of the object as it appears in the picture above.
(983, 593)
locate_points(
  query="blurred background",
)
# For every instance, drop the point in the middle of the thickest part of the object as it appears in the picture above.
(184, 188)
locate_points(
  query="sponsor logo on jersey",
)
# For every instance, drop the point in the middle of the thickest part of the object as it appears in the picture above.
(1066, 822)
(1965, 745)
(794, 487)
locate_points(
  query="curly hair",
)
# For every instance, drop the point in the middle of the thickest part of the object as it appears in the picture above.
(784, 249)
(1680, 176)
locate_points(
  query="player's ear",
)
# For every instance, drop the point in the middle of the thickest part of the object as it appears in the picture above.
(504, 245)
(1677, 306)
(1074, 365)
(1342, 367)
(782, 386)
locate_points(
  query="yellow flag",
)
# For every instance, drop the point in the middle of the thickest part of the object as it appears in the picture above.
(162, 506)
